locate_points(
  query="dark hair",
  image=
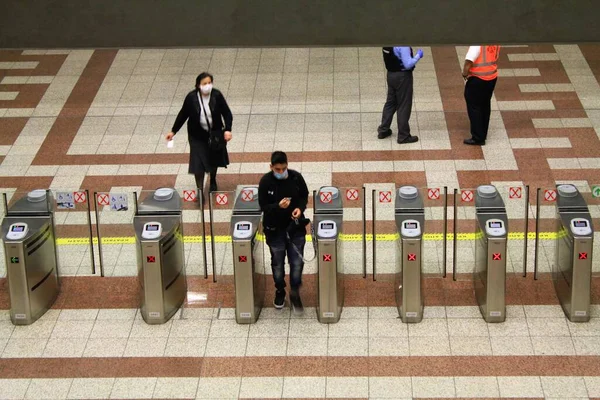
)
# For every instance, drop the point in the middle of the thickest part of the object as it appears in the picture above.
(202, 76)
(278, 157)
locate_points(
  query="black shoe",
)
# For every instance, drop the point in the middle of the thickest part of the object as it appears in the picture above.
(279, 301)
(383, 135)
(296, 303)
(474, 142)
(410, 139)
(213, 186)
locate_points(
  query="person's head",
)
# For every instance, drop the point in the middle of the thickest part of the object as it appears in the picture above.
(204, 83)
(279, 164)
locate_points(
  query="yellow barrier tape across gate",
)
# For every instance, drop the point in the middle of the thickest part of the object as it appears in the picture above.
(381, 237)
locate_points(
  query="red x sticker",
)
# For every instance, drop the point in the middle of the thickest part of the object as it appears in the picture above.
(412, 257)
(243, 259)
(327, 257)
(496, 257)
(150, 259)
(583, 256)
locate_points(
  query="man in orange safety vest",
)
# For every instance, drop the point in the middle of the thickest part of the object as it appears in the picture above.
(480, 72)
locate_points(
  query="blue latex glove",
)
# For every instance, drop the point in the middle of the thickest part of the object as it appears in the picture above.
(420, 53)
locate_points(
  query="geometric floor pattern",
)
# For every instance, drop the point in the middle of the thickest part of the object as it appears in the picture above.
(96, 120)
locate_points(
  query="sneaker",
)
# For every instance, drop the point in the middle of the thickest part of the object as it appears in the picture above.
(279, 301)
(296, 303)
(383, 135)
(410, 139)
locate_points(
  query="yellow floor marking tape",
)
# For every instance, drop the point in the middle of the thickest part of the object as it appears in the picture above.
(381, 237)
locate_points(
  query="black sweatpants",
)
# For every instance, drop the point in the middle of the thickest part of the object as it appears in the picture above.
(399, 100)
(478, 95)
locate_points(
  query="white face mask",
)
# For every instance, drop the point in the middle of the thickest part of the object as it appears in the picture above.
(206, 89)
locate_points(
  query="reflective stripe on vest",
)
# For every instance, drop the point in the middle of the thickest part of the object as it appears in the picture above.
(485, 66)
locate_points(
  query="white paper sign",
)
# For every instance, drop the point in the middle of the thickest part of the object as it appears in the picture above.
(64, 200)
(118, 202)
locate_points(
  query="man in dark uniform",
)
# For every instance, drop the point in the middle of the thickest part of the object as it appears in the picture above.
(283, 196)
(400, 63)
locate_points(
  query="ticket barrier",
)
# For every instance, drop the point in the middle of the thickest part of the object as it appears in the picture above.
(161, 263)
(31, 261)
(490, 253)
(410, 220)
(328, 218)
(248, 257)
(572, 267)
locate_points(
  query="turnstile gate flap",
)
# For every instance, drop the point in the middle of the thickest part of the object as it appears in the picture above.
(37, 202)
(246, 202)
(162, 201)
(328, 200)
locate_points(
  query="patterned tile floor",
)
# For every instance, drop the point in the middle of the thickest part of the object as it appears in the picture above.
(95, 119)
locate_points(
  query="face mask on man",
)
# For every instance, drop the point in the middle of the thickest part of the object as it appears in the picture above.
(282, 175)
(206, 89)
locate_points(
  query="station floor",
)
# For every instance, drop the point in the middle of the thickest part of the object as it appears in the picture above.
(95, 119)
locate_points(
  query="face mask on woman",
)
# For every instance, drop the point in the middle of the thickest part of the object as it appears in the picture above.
(206, 89)
(282, 175)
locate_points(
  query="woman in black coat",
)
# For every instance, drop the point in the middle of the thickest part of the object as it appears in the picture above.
(208, 117)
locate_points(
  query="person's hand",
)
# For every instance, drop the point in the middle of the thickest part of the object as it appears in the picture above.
(169, 136)
(420, 53)
(284, 203)
(228, 136)
(296, 213)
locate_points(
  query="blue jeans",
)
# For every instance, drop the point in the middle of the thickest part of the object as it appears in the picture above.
(279, 245)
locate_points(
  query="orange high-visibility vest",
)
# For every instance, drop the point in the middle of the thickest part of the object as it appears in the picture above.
(485, 67)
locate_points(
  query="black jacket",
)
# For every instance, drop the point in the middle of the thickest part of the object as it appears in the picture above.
(222, 120)
(272, 190)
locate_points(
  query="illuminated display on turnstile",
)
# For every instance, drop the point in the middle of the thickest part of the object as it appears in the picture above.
(581, 226)
(17, 231)
(152, 230)
(411, 228)
(327, 229)
(242, 230)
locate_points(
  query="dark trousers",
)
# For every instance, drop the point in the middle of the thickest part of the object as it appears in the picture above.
(399, 101)
(280, 245)
(478, 95)
(200, 178)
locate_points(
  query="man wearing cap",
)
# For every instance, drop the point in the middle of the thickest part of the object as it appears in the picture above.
(283, 196)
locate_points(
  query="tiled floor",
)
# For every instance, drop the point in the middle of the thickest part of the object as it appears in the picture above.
(95, 120)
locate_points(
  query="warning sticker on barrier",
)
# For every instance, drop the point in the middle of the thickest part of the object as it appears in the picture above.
(412, 257)
(102, 199)
(247, 195)
(64, 200)
(327, 257)
(80, 197)
(243, 259)
(515, 192)
(583, 256)
(385, 197)
(222, 199)
(497, 257)
(118, 202)
(549, 195)
(189, 195)
(325, 197)
(352, 194)
(150, 259)
(466, 196)
(433, 193)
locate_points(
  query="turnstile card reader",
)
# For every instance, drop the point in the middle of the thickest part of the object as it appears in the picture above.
(31, 258)
(248, 257)
(408, 285)
(161, 262)
(328, 218)
(572, 267)
(489, 276)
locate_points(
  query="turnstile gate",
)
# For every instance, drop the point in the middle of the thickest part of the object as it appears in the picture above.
(410, 220)
(248, 256)
(160, 255)
(572, 267)
(490, 253)
(328, 219)
(30, 251)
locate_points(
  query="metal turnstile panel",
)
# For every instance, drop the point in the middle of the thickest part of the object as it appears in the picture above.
(249, 277)
(490, 277)
(31, 268)
(409, 299)
(330, 283)
(161, 268)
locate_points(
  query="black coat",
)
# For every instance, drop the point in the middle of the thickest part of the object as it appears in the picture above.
(201, 158)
